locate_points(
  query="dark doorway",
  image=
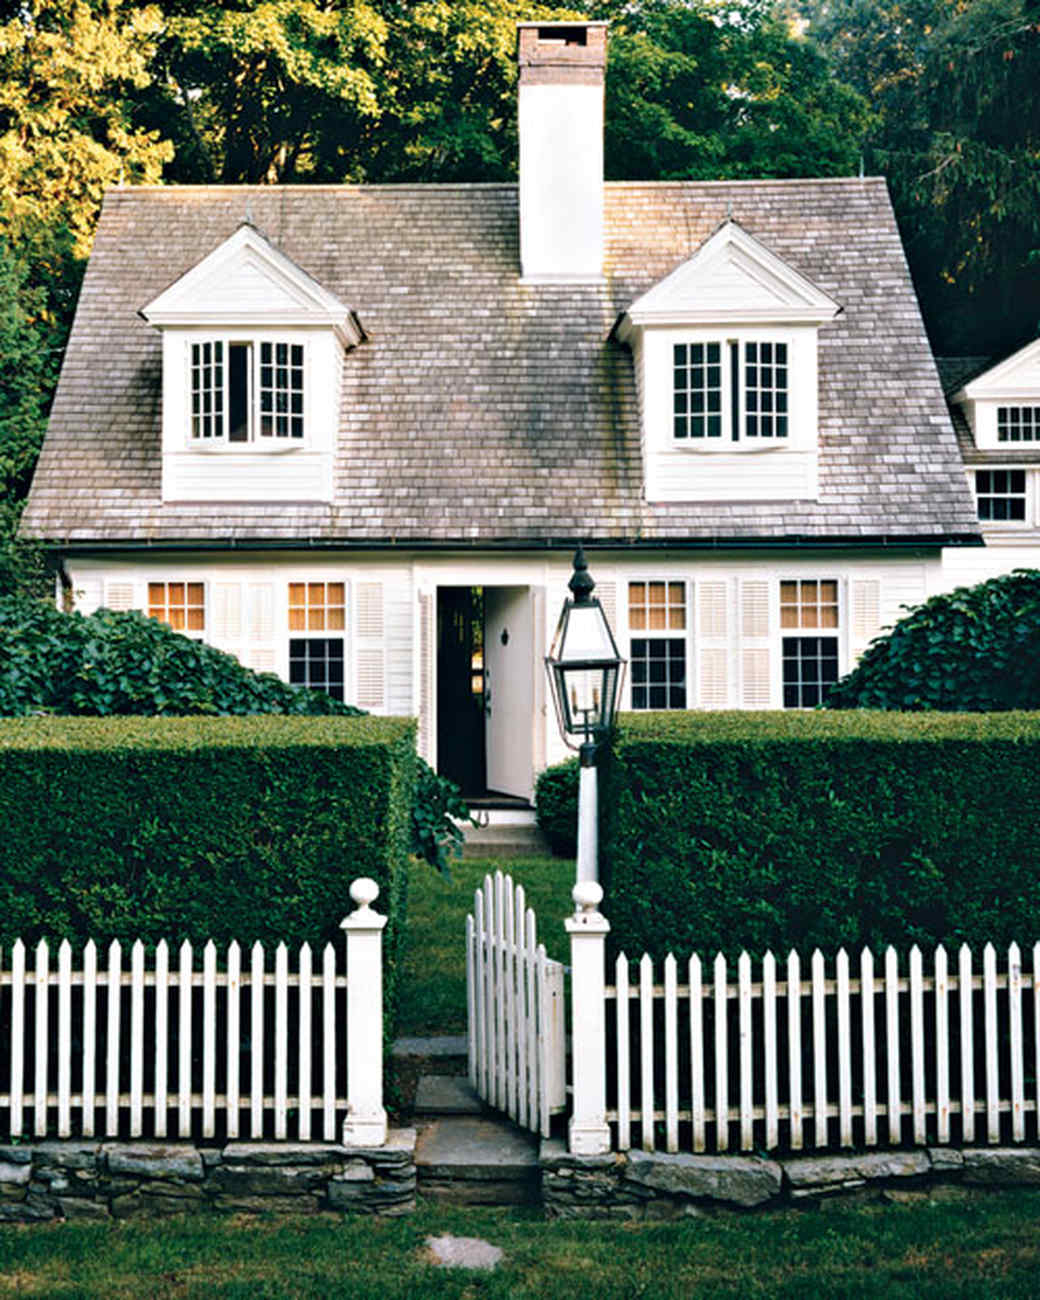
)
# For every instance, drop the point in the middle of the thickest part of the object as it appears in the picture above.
(460, 688)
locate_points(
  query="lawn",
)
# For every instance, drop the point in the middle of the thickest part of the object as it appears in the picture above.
(433, 988)
(987, 1248)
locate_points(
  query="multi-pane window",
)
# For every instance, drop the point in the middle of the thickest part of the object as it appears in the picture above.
(810, 662)
(697, 403)
(242, 392)
(733, 391)
(317, 661)
(1018, 423)
(1001, 494)
(658, 661)
(765, 390)
(180, 604)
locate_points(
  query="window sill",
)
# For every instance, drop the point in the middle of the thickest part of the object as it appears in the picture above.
(247, 448)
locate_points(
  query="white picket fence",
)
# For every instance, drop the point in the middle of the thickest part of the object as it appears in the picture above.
(517, 1045)
(834, 1059)
(161, 1048)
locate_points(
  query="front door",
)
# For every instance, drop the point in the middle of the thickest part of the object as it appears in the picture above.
(509, 702)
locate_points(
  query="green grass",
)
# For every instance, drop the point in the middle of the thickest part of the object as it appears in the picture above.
(986, 1248)
(433, 984)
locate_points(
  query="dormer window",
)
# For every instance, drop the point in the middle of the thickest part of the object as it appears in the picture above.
(247, 392)
(735, 392)
(726, 359)
(1018, 424)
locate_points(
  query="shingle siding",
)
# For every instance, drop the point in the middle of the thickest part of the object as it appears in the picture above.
(481, 410)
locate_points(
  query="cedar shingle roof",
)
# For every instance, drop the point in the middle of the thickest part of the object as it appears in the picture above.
(481, 410)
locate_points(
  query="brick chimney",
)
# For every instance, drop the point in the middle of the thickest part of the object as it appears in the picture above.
(562, 67)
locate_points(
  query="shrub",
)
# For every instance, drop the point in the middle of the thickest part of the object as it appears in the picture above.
(976, 649)
(556, 806)
(767, 831)
(124, 663)
(229, 828)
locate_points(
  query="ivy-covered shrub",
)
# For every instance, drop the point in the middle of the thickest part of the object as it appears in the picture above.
(556, 806)
(976, 649)
(202, 828)
(108, 663)
(126, 663)
(779, 830)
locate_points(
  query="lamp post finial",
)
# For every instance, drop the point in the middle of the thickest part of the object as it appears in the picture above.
(582, 582)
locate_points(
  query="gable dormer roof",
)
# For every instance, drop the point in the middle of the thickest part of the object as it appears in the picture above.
(732, 278)
(247, 281)
(1017, 376)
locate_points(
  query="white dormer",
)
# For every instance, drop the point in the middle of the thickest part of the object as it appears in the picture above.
(1002, 405)
(725, 350)
(252, 365)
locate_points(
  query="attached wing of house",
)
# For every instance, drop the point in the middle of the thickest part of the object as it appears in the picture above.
(352, 434)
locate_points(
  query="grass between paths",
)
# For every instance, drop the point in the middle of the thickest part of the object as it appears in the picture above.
(988, 1248)
(433, 986)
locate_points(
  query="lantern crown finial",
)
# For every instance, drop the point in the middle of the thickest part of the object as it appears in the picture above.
(582, 582)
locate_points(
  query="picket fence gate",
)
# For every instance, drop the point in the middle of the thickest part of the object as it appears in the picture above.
(242, 1045)
(799, 1059)
(515, 1006)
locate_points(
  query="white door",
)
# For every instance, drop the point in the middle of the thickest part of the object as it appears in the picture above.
(509, 690)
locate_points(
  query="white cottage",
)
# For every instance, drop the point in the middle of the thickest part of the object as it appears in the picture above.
(352, 434)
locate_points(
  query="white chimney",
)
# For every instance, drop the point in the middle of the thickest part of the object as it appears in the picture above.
(562, 68)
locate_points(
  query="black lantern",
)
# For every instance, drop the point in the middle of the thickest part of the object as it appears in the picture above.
(584, 666)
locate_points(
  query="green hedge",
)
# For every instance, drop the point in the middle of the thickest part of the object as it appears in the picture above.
(556, 806)
(767, 831)
(198, 828)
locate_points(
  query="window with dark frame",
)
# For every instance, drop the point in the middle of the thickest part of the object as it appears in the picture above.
(809, 662)
(1001, 495)
(754, 404)
(658, 662)
(317, 662)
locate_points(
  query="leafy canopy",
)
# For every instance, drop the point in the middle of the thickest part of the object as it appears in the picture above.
(976, 649)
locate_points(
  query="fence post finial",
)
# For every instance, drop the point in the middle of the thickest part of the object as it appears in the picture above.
(365, 1124)
(589, 1133)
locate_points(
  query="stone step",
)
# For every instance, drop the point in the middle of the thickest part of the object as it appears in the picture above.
(444, 1094)
(463, 1160)
(505, 840)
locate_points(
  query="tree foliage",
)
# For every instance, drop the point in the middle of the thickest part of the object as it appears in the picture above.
(976, 649)
(957, 132)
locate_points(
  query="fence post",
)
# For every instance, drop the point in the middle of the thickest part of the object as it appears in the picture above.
(365, 1124)
(589, 1133)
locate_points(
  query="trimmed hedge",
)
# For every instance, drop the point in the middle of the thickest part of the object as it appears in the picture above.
(202, 828)
(778, 830)
(556, 806)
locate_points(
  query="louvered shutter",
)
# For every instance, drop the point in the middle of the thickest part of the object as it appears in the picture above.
(224, 616)
(119, 595)
(370, 646)
(864, 614)
(427, 643)
(259, 649)
(712, 644)
(756, 678)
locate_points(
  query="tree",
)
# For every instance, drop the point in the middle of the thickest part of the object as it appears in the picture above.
(699, 91)
(958, 134)
(976, 649)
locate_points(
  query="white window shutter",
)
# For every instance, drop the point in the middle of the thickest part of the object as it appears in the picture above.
(427, 645)
(865, 613)
(260, 603)
(119, 595)
(261, 661)
(225, 615)
(370, 647)
(87, 596)
(607, 593)
(756, 660)
(712, 644)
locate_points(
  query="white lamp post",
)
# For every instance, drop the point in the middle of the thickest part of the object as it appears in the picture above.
(585, 673)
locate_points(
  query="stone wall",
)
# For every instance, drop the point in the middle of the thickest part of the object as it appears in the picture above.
(642, 1184)
(100, 1180)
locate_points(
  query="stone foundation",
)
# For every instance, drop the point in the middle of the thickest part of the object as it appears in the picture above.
(653, 1185)
(102, 1180)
